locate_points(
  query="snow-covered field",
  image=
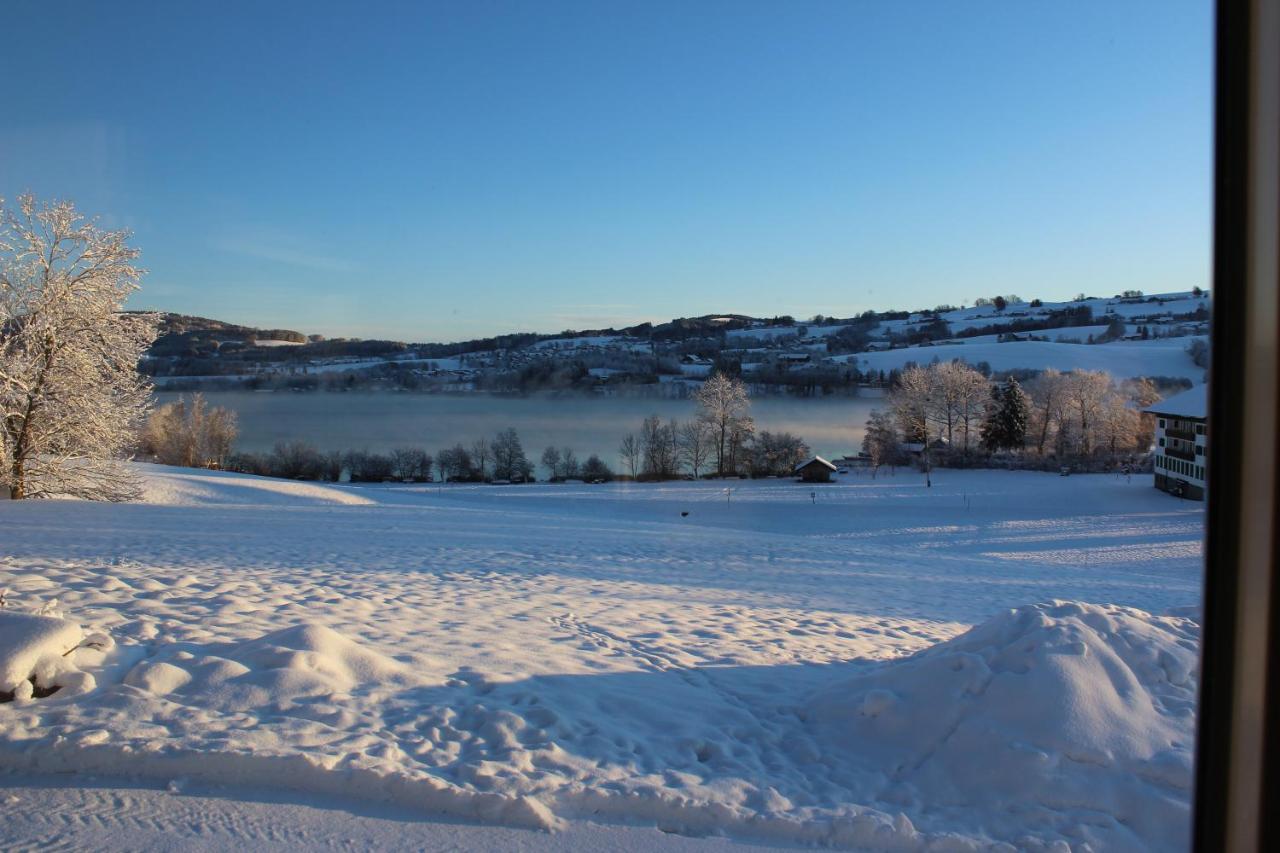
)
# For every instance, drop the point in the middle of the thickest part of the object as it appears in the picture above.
(603, 660)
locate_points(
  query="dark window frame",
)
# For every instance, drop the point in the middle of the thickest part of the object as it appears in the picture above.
(1237, 785)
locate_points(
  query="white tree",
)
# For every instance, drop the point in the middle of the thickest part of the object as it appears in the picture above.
(971, 392)
(71, 397)
(724, 403)
(193, 435)
(1086, 393)
(1048, 394)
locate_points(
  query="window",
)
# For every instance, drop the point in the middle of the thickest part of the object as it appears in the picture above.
(633, 358)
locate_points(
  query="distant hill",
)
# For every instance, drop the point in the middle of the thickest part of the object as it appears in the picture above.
(182, 335)
(1140, 335)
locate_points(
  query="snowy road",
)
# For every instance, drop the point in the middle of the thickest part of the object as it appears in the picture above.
(544, 656)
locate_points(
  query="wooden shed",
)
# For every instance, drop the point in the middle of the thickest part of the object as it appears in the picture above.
(816, 470)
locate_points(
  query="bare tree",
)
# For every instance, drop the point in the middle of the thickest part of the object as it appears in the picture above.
(658, 448)
(569, 466)
(629, 450)
(509, 461)
(71, 397)
(480, 455)
(694, 444)
(724, 404)
(551, 461)
(410, 464)
(776, 454)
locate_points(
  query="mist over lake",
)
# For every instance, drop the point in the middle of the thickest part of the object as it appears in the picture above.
(380, 421)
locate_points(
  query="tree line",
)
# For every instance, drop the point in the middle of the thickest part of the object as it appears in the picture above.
(949, 413)
(720, 440)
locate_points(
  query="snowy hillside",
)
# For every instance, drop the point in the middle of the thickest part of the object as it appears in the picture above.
(1154, 333)
(670, 656)
(1123, 359)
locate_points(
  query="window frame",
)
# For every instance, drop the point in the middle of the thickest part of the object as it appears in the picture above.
(1237, 784)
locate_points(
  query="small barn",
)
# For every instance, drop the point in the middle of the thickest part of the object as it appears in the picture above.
(816, 470)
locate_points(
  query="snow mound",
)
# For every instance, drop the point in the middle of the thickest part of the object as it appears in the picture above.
(28, 642)
(281, 669)
(1080, 714)
(174, 486)
(36, 654)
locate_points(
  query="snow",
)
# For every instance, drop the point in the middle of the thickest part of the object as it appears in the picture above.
(271, 342)
(772, 332)
(1123, 359)
(29, 640)
(591, 342)
(560, 656)
(1044, 705)
(1193, 403)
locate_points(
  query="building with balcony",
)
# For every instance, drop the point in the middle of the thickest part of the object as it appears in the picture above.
(1182, 437)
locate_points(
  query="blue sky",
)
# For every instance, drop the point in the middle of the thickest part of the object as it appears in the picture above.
(438, 171)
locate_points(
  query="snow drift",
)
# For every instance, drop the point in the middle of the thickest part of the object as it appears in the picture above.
(1058, 715)
(36, 655)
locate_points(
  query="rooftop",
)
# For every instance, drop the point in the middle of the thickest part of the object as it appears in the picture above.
(1193, 403)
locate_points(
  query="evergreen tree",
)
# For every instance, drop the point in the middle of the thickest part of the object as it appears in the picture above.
(1006, 424)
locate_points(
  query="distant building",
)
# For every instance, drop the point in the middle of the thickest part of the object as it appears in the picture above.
(1182, 440)
(816, 470)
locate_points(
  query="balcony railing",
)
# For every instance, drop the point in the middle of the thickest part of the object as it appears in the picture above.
(1184, 434)
(1180, 454)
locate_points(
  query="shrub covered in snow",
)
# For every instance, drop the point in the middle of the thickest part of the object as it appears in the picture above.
(36, 655)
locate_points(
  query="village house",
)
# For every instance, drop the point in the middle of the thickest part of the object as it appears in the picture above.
(1182, 443)
(816, 470)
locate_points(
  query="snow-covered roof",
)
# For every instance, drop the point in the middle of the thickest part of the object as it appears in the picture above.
(1188, 404)
(817, 459)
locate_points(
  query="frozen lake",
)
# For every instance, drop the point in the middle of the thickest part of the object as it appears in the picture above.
(375, 420)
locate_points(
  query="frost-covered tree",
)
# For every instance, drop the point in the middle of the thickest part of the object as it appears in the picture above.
(723, 405)
(191, 434)
(881, 442)
(1048, 407)
(71, 397)
(912, 403)
(1086, 395)
(970, 391)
